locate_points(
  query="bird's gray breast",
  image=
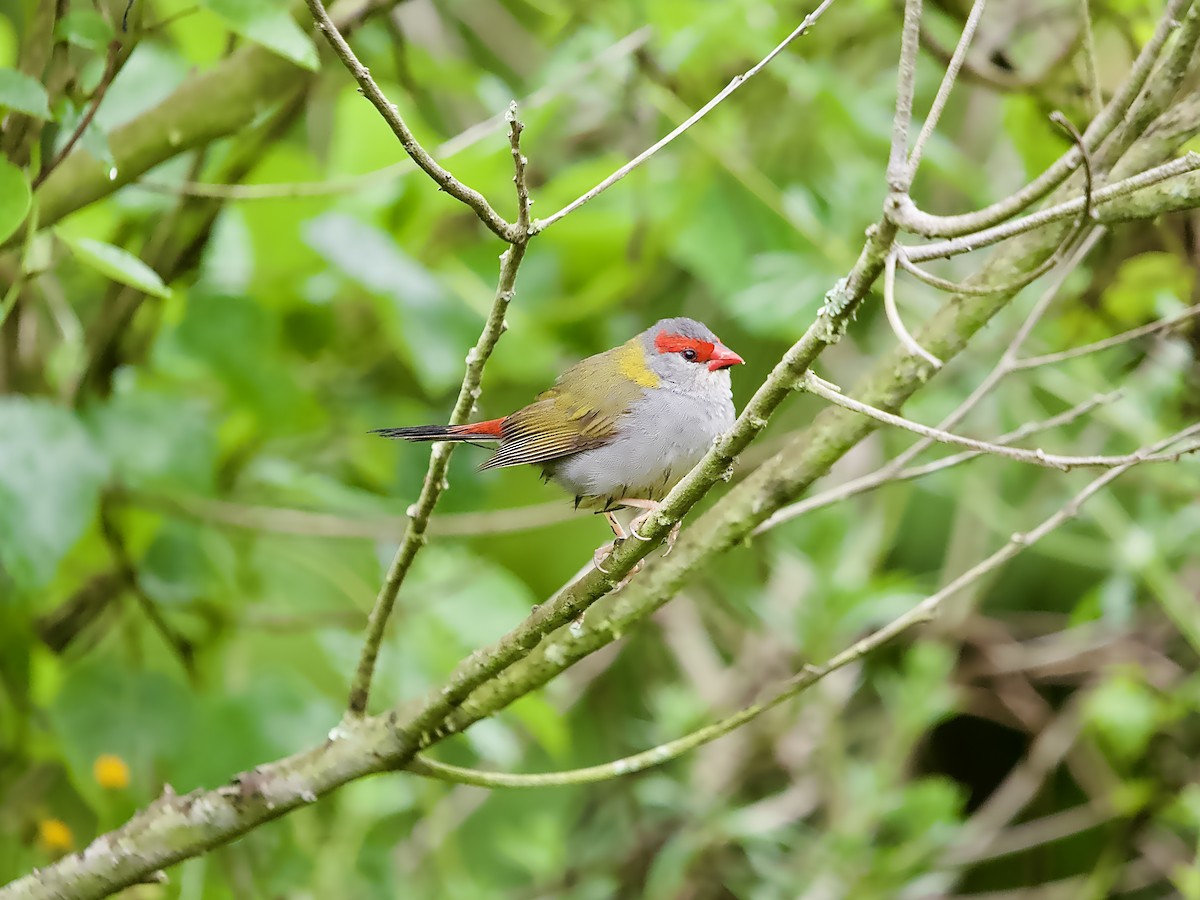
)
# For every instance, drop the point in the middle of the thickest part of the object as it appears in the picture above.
(659, 440)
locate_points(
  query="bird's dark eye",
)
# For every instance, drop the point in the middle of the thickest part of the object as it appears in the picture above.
(689, 354)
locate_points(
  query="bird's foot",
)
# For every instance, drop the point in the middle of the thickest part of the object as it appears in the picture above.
(602, 556)
(603, 552)
(672, 535)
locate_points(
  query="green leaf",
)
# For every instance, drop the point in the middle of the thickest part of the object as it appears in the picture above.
(14, 198)
(270, 25)
(84, 28)
(424, 316)
(50, 477)
(24, 94)
(117, 264)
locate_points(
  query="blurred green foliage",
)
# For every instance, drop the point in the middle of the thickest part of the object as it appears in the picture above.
(171, 349)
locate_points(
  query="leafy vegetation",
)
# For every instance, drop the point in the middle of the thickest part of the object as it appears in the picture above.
(220, 270)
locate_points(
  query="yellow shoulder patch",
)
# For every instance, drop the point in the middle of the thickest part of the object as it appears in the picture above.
(631, 362)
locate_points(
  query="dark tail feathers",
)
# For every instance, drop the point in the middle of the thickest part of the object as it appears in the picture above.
(473, 432)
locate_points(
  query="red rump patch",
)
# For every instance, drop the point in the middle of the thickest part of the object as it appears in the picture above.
(677, 343)
(490, 428)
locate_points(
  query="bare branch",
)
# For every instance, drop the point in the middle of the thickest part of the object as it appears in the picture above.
(906, 214)
(540, 225)
(943, 249)
(515, 127)
(889, 473)
(893, 314)
(823, 389)
(435, 481)
(439, 458)
(906, 78)
(412, 146)
(944, 89)
(1049, 359)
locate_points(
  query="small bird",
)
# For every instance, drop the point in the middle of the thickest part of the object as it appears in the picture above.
(618, 429)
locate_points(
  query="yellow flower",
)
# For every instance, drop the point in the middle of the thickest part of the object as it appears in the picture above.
(111, 772)
(55, 835)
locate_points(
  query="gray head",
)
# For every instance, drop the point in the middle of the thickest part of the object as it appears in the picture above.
(685, 353)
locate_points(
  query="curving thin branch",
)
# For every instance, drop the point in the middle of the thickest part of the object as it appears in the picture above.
(1189, 162)
(1048, 359)
(889, 474)
(909, 217)
(412, 146)
(826, 391)
(893, 314)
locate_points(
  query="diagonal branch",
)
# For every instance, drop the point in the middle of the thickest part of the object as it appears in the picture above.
(808, 676)
(1048, 359)
(412, 146)
(943, 95)
(540, 225)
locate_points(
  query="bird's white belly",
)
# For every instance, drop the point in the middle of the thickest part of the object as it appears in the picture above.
(659, 442)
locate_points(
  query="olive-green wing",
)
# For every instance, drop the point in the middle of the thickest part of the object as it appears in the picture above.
(566, 420)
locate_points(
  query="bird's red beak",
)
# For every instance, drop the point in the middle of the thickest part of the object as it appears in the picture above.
(722, 358)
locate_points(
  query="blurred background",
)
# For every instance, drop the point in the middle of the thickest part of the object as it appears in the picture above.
(194, 520)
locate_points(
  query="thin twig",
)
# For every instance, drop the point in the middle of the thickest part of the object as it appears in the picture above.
(809, 675)
(439, 457)
(412, 146)
(540, 225)
(435, 482)
(906, 80)
(893, 314)
(823, 389)
(889, 475)
(515, 127)
(944, 89)
(922, 252)
(1089, 175)
(908, 216)
(110, 72)
(1091, 69)
(1048, 359)
(961, 287)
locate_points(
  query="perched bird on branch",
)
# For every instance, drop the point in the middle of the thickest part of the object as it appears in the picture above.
(618, 429)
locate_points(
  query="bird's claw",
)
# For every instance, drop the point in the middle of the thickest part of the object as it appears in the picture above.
(602, 553)
(672, 537)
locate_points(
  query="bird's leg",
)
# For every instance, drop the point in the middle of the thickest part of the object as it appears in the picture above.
(605, 551)
(615, 524)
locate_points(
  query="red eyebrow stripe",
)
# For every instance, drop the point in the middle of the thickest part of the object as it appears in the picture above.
(675, 343)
